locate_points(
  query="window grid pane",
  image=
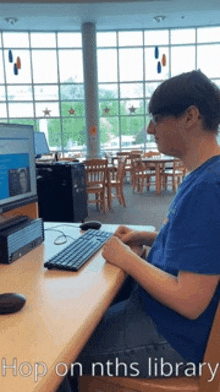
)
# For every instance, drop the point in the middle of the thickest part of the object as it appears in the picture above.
(44, 66)
(48, 90)
(131, 70)
(183, 59)
(15, 40)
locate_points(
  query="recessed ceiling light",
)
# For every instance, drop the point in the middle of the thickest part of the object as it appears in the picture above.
(159, 18)
(11, 20)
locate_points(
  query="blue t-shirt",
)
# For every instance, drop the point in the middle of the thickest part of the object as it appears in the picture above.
(189, 240)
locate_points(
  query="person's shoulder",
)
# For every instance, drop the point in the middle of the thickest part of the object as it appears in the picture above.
(213, 167)
(207, 173)
(202, 184)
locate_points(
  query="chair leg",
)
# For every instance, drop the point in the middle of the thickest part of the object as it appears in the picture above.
(97, 201)
(122, 197)
(165, 182)
(141, 186)
(135, 183)
(174, 184)
(118, 195)
(109, 196)
(103, 202)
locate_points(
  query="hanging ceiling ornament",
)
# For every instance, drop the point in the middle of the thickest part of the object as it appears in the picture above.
(132, 109)
(71, 111)
(46, 112)
(15, 69)
(18, 62)
(158, 67)
(156, 52)
(10, 56)
(106, 110)
(164, 60)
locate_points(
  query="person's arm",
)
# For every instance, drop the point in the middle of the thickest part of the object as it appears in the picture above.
(188, 294)
(135, 238)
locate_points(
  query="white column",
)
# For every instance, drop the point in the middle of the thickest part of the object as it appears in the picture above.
(91, 89)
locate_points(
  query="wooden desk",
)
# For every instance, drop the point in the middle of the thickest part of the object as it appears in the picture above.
(158, 162)
(62, 310)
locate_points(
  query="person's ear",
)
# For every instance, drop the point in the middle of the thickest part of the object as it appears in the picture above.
(192, 116)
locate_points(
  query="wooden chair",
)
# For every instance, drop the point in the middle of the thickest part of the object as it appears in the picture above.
(46, 158)
(125, 154)
(68, 159)
(96, 172)
(170, 384)
(115, 180)
(130, 156)
(133, 157)
(136, 152)
(173, 174)
(149, 154)
(142, 175)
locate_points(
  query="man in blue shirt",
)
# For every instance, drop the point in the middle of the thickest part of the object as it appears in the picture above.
(164, 325)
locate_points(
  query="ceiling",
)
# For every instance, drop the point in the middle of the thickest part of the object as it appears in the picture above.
(59, 16)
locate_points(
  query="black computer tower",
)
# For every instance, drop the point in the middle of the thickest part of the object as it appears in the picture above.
(61, 191)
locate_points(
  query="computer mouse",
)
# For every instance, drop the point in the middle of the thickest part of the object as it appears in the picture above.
(90, 225)
(11, 302)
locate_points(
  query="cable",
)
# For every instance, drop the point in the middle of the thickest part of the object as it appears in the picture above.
(56, 241)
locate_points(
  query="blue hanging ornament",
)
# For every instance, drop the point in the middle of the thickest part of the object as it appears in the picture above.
(10, 56)
(156, 52)
(15, 69)
(158, 67)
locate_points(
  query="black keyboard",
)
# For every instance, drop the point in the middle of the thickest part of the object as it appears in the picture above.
(75, 255)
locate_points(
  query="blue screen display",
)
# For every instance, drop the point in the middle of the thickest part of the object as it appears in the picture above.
(14, 175)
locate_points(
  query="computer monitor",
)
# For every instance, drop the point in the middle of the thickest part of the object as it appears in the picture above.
(40, 144)
(17, 166)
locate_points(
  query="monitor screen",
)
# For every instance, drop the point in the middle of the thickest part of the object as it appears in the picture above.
(40, 144)
(17, 166)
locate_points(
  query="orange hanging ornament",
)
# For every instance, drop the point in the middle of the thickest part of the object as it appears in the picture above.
(164, 60)
(18, 62)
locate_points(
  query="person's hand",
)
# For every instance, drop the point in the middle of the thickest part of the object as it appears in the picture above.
(135, 238)
(130, 237)
(121, 232)
(115, 252)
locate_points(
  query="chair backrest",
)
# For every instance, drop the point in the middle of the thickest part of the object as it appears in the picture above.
(135, 157)
(150, 154)
(46, 158)
(136, 152)
(137, 165)
(123, 153)
(212, 357)
(178, 167)
(120, 173)
(69, 159)
(95, 170)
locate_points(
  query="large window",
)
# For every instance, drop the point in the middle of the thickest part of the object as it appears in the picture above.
(47, 90)
(131, 64)
(41, 83)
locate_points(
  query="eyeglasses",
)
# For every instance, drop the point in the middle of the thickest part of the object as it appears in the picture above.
(156, 118)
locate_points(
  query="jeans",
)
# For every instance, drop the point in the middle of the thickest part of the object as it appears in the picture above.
(127, 343)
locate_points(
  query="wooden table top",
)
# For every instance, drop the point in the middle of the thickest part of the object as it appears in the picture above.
(62, 310)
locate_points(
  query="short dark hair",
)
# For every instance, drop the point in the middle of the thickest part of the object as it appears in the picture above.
(176, 94)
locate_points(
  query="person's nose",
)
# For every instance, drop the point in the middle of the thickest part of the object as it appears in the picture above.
(151, 128)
